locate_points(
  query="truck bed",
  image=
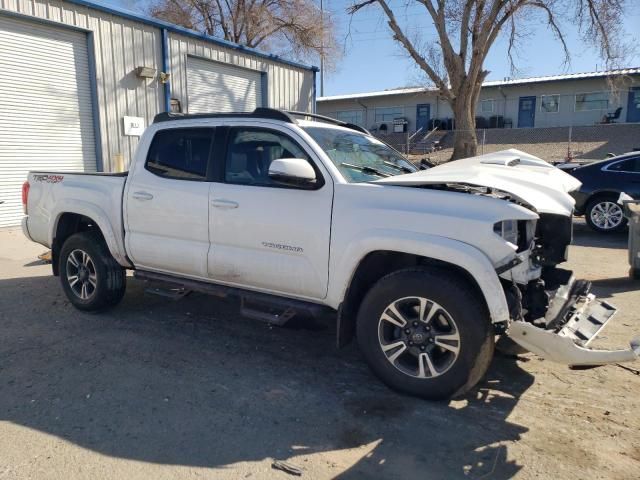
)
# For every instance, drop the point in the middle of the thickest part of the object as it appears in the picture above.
(95, 195)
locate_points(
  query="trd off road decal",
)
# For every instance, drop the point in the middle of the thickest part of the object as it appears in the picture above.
(48, 178)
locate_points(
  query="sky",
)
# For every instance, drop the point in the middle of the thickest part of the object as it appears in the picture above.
(372, 61)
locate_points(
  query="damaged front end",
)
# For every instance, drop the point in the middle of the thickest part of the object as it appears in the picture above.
(554, 315)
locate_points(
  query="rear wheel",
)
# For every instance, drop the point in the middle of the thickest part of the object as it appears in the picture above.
(425, 333)
(604, 215)
(91, 278)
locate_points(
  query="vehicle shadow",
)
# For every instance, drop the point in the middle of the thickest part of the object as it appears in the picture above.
(193, 383)
(583, 236)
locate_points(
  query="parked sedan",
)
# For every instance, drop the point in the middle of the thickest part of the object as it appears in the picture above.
(602, 183)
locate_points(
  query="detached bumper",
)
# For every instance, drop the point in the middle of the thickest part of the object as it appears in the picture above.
(573, 320)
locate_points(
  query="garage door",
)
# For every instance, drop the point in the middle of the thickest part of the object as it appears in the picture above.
(219, 87)
(46, 118)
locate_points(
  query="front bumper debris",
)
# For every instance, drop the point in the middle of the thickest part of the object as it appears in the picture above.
(573, 320)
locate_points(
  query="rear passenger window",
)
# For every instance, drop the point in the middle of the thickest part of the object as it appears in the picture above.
(631, 165)
(181, 153)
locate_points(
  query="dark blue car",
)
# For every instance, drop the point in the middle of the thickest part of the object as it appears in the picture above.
(602, 183)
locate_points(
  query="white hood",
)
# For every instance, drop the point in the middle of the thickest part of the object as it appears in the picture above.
(525, 177)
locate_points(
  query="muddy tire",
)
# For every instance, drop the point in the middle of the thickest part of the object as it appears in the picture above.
(426, 333)
(91, 278)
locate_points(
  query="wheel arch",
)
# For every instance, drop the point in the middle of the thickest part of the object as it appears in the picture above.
(378, 263)
(67, 224)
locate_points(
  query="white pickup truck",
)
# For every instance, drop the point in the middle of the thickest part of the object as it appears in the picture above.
(295, 212)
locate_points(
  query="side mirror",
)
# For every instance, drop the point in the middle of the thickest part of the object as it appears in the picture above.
(295, 172)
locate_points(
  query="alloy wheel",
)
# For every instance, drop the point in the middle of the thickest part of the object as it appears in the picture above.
(606, 215)
(418, 337)
(81, 274)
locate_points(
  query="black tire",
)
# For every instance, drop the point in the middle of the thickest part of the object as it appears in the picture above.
(461, 305)
(602, 201)
(105, 281)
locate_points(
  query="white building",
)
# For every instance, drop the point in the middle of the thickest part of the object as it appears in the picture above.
(80, 79)
(553, 101)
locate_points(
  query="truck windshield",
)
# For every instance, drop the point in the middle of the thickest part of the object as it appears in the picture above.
(359, 157)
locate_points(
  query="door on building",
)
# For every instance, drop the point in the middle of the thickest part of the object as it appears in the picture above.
(219, 87)
(526, 112)
(46, 119)
(423, 114)
(633, 105)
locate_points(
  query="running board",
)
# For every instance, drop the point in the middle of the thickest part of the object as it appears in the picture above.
(267, 308)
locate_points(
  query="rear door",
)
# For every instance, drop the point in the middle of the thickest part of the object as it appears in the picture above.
(167, 203)
(263, 235)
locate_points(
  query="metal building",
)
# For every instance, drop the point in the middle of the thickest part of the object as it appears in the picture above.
(81, 80)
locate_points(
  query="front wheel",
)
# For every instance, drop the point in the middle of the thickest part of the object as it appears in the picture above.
(91, 278)
(425, 333)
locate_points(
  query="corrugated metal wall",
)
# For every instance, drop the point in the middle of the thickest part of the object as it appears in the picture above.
(288, 87)
(122, 44)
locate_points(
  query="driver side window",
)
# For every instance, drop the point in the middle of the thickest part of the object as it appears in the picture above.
(250, 152)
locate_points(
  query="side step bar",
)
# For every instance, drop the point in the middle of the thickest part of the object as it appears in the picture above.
(260, 306)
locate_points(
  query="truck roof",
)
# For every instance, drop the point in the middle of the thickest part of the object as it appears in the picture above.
(288, 116)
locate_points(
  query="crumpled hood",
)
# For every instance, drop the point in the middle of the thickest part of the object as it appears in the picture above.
(525, 177)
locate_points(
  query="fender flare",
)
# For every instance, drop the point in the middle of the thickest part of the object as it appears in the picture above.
(461, 254)
(100, 217)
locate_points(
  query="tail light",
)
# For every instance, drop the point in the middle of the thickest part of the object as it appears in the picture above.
(25, 195)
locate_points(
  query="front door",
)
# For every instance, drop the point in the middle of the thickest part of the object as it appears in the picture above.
(633, 105)
(526, 112)
(423, 113)
(167, 203)
(264, 235)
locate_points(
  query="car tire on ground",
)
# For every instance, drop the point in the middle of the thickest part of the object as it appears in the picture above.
(91, 278)
(425, 332)
(604, 215)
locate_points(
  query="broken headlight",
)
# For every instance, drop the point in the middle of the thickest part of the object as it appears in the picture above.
(519, 233)
(508, 230)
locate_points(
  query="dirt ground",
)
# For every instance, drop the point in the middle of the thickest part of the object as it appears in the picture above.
(160, 389)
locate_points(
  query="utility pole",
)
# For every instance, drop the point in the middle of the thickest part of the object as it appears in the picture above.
(322, 49)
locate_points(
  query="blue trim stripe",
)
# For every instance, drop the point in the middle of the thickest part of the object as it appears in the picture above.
(136, 17)
(165, 68)
(95, 106)
(315, 94)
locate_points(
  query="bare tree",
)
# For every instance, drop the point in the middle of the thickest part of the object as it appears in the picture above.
(467, 29)
(296, 27)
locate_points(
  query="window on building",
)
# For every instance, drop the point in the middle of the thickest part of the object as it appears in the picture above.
(351, 116)
(487, 106)
(387, 114)
(550, 103)
(181, 153)
(592, 101)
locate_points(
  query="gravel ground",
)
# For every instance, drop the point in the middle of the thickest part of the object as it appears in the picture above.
(186, 389)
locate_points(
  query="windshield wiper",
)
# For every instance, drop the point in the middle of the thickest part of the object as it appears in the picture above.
(399, 167)
(365, 169)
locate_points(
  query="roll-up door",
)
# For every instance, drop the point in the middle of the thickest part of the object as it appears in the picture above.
(46, 117)
(220, 87)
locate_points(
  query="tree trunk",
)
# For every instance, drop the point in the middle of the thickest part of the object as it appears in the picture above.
(465, 139)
